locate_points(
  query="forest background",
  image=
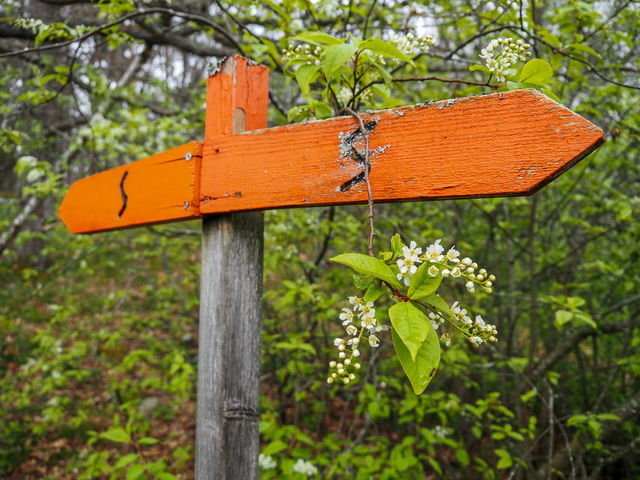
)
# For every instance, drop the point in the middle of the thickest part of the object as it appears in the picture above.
(98, 339)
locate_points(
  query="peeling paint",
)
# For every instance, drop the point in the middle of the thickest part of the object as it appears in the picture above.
(352, 147)
(214, 67)
(424, 104)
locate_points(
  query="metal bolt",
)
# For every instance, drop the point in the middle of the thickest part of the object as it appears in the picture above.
(186, 205)
(188, 156)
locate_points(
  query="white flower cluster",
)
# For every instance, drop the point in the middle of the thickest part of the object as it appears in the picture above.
(502, 53)
(34, 25)
(305, 54)
(410, 44)
(478, 331)
(345, 94)
(305, 468)
(447, 264)
(349, 348)
(440, 432)
(266, 462)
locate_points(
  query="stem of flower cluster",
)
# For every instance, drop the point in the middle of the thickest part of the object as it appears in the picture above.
(367, 168)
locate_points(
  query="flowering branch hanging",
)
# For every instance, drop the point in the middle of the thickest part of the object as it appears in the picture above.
(411, 278)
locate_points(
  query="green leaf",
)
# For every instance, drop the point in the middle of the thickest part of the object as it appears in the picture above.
(135, 472)
(410, 324)
(525, 397)
(319, 38)
(381, 90)
(335, 56)
(438, 303)
(550, 94)
(536, 71)
(299, 113)
(384, 73)
(148, 441)
(373, 292)
(274, 447)
(463, 456)
(483, 68)
(505, 458)
(368, 266)
(362, 282)
(126, 460)
(385, 49)
(165, 476)
(609, 416)
(435, 465)
(321, 109)
(581, 47)
(422, 284)
(116, 434)
(576, 420)
(585, 318)
(396, 244)
(562, 317)
(305, 74)
(421, 370)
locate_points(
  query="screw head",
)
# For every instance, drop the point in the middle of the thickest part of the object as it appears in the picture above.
(186, 205)
(188, 156)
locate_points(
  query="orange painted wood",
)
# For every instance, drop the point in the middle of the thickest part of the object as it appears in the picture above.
(504, 144)
(237, 98)
(160, 188)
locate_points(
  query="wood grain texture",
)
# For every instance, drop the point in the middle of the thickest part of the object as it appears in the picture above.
(228, 397)
(491, 145)
(156, 189)
(230, 331)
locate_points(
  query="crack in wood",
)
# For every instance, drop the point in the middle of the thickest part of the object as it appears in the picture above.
(351, 183)
(236, 411)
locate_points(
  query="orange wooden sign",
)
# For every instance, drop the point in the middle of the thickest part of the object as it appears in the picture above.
(503, 144)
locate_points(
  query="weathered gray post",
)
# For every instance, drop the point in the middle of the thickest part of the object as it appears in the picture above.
(227, 437)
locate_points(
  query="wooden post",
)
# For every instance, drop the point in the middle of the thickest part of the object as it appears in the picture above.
(227, 436)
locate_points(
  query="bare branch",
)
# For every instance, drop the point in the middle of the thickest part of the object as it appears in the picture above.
(574, 339)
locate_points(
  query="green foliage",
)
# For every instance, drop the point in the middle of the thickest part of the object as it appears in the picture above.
(98, 332)
(367, 265)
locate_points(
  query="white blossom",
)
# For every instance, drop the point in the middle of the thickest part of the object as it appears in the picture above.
(368, 322)
(304, 467)
(434, 252)
(453, 254)
(411, 252)
(503, 53)
(346, 316)
(267, 462)
(405, 277)
(407, 264)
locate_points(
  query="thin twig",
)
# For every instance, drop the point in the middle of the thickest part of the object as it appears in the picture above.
(367, 168)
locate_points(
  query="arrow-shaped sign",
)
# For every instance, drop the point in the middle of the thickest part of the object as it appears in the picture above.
(502, 144)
